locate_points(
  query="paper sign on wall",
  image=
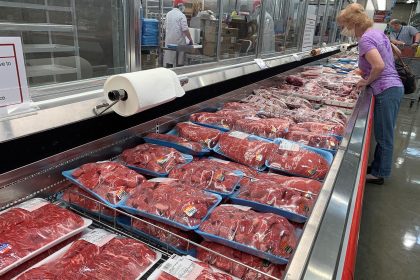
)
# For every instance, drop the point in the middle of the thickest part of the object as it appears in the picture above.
(13, 84)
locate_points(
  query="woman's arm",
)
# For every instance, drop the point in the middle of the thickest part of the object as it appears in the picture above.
(375, 60)
(395, 50)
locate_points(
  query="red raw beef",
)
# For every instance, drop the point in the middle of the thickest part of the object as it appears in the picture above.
(197, 133)
(268, 128)
(266, 232)
(252, 153)
(164, 236)
(235, 269)
(294, 80)
(248, 172)
(77, 196)
(217, 119)
(206, 175)
(12, 217)
(297, 102)
(313, 139)
(196, 147)
(264, 99)
(318, 127)
(237, 114)
(332, 113)
(239, 106)
(172, 200)
(273, 194)
(298, 183)
(46, 224)
(302, 163)
(153, 157)
(110, 180)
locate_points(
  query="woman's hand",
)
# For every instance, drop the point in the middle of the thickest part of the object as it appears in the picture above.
(362, 84)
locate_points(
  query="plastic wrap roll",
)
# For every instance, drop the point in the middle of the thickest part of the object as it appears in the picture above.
(144, 89)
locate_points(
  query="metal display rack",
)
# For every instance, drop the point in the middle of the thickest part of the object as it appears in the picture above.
(52, 69)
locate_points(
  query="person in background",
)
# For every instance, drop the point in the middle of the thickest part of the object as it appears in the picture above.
(268, 43)
(404, 35)
(376, 61)
(176, 31)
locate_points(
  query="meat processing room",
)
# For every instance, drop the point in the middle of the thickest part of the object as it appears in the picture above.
(209, 139)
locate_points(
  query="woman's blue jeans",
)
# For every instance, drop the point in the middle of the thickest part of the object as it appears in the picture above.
(387, 105)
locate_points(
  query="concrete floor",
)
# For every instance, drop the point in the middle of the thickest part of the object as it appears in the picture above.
(389, 241)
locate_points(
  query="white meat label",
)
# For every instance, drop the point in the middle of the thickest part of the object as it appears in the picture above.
(33, 204)
(162, 180)
(190, 210)
(240, 207)
(182, 268)
(98, 236)
(239, 135)
(289, 146)
(220, 160)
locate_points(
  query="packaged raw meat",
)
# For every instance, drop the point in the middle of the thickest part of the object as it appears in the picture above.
(79, 198)
(296, 159)
(294, 80)
(154, 160)
(239, 106)
(173, 141)
(108, 181)
(297, 102)
(214, 119)
(265, 235)
(264, 99)
(268, 128)
(235, 269)
(330, 113)
(237, 114)
(171, 202)
(204, 174)
(245, 149)
(306, 185)
(313, 139)
(188, 268)
(33, 227)
(248, 173)
(319, 127)
(96, 255)
(204, 135)
(269, 196)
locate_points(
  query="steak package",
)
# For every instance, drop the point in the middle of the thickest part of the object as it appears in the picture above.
(33, 227)
(109, 181)
(248, 172)
(235, 269)
(222, 120)
(171, 202)
(96, 255)
(268, 128)
(197, 133)
(189, 146)
(188, 268)
(319, 127)
(306, 185)
(244, 149)
(205, 174)
(313, 139)
(263, 232)
(153, 159)
(297, 160)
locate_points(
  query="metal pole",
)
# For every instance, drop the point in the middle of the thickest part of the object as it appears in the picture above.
(132, 27)
(301, 28)
(324, 22)
(219, 30)
(260, 30)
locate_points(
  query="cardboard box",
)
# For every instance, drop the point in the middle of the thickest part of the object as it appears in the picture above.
(233, 32)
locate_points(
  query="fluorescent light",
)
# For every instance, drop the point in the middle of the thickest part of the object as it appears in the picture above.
(381, 5)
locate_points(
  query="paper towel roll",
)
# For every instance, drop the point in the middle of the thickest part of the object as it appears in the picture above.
(145, 89)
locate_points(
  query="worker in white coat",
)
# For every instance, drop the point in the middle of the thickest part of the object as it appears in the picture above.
(268, 37)
(176, 31)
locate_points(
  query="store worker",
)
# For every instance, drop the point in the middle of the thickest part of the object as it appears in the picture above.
(176, 32)
(377, 64)
(268, 40)
(404, 35)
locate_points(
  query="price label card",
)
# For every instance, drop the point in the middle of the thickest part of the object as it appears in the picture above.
(13, 84)
(261, 63)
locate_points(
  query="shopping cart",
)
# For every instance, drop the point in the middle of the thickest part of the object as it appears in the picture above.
(414, 64)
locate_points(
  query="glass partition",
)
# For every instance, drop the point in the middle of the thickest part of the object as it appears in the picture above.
(66, 40)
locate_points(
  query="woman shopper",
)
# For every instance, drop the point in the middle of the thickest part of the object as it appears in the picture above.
(376, 61)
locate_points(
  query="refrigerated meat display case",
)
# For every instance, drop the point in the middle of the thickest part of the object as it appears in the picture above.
(328, 244)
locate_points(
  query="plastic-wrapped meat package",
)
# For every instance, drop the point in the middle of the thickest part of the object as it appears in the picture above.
(37, 224)
(164, 236)
(194, 270)
(312, 88)
(205, 175)
(313, 139)
(110, 180)
(217, 119)
(271, 193)
(153, 157)
(203, 135)
(240, 106)
(237, 114)
(300, 162)
(248, 172)
(235, 269)
(252, 153)
(311, 74)
(195, 146)
(319, 127)
(297, 183)
(268, 128)
(76, 196)
(270, 95)
(332, 113)
(172, 200)
(297, 102)
(294, 80)
(265, 232)
(267, 102)
(97, 255)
